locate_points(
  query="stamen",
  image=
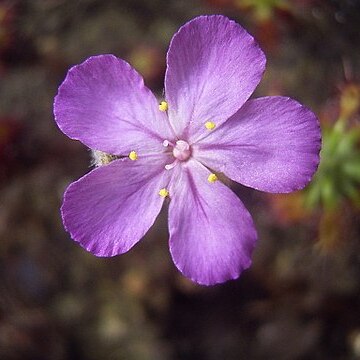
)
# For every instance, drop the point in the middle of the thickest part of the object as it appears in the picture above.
(212, 178)
(164, 192)
(163, 106)
(210, 125)
(133, 156)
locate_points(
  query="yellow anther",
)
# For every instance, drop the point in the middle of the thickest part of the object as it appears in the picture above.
(210, 125)
(164, 193)
(163, 106)
(133, 155)
(212, 178)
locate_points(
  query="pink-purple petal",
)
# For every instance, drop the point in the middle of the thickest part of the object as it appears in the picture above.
(213, 66)
(110, 209)
(212, 235)
(104, 103)
(271, 144)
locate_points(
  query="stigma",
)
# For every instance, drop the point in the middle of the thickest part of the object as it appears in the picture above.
(181, 152)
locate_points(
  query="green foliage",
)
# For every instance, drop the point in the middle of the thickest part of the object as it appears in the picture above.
(263, 9)
(338, 176)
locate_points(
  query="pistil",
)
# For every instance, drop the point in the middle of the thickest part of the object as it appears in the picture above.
(181, 152)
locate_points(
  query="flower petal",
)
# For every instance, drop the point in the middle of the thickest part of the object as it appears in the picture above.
(271, 144)
(110, 209)
(213, 66)
(104, 103)
(211, 233)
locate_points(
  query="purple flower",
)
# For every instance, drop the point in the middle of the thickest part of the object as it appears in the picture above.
(177, 150)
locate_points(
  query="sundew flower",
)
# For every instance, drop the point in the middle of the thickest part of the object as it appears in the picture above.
(175, 151)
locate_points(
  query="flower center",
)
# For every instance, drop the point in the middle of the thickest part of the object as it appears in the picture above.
(182, 150)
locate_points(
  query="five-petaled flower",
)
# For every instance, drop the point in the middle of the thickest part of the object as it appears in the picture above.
(176, 150)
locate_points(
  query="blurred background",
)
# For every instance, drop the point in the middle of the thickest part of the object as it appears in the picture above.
(301, 297)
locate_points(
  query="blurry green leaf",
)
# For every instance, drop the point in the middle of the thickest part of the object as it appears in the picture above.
(352, 168)
(352, 192)
(312, 197)
(350, 100)
(329, 196)
(338, 176)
